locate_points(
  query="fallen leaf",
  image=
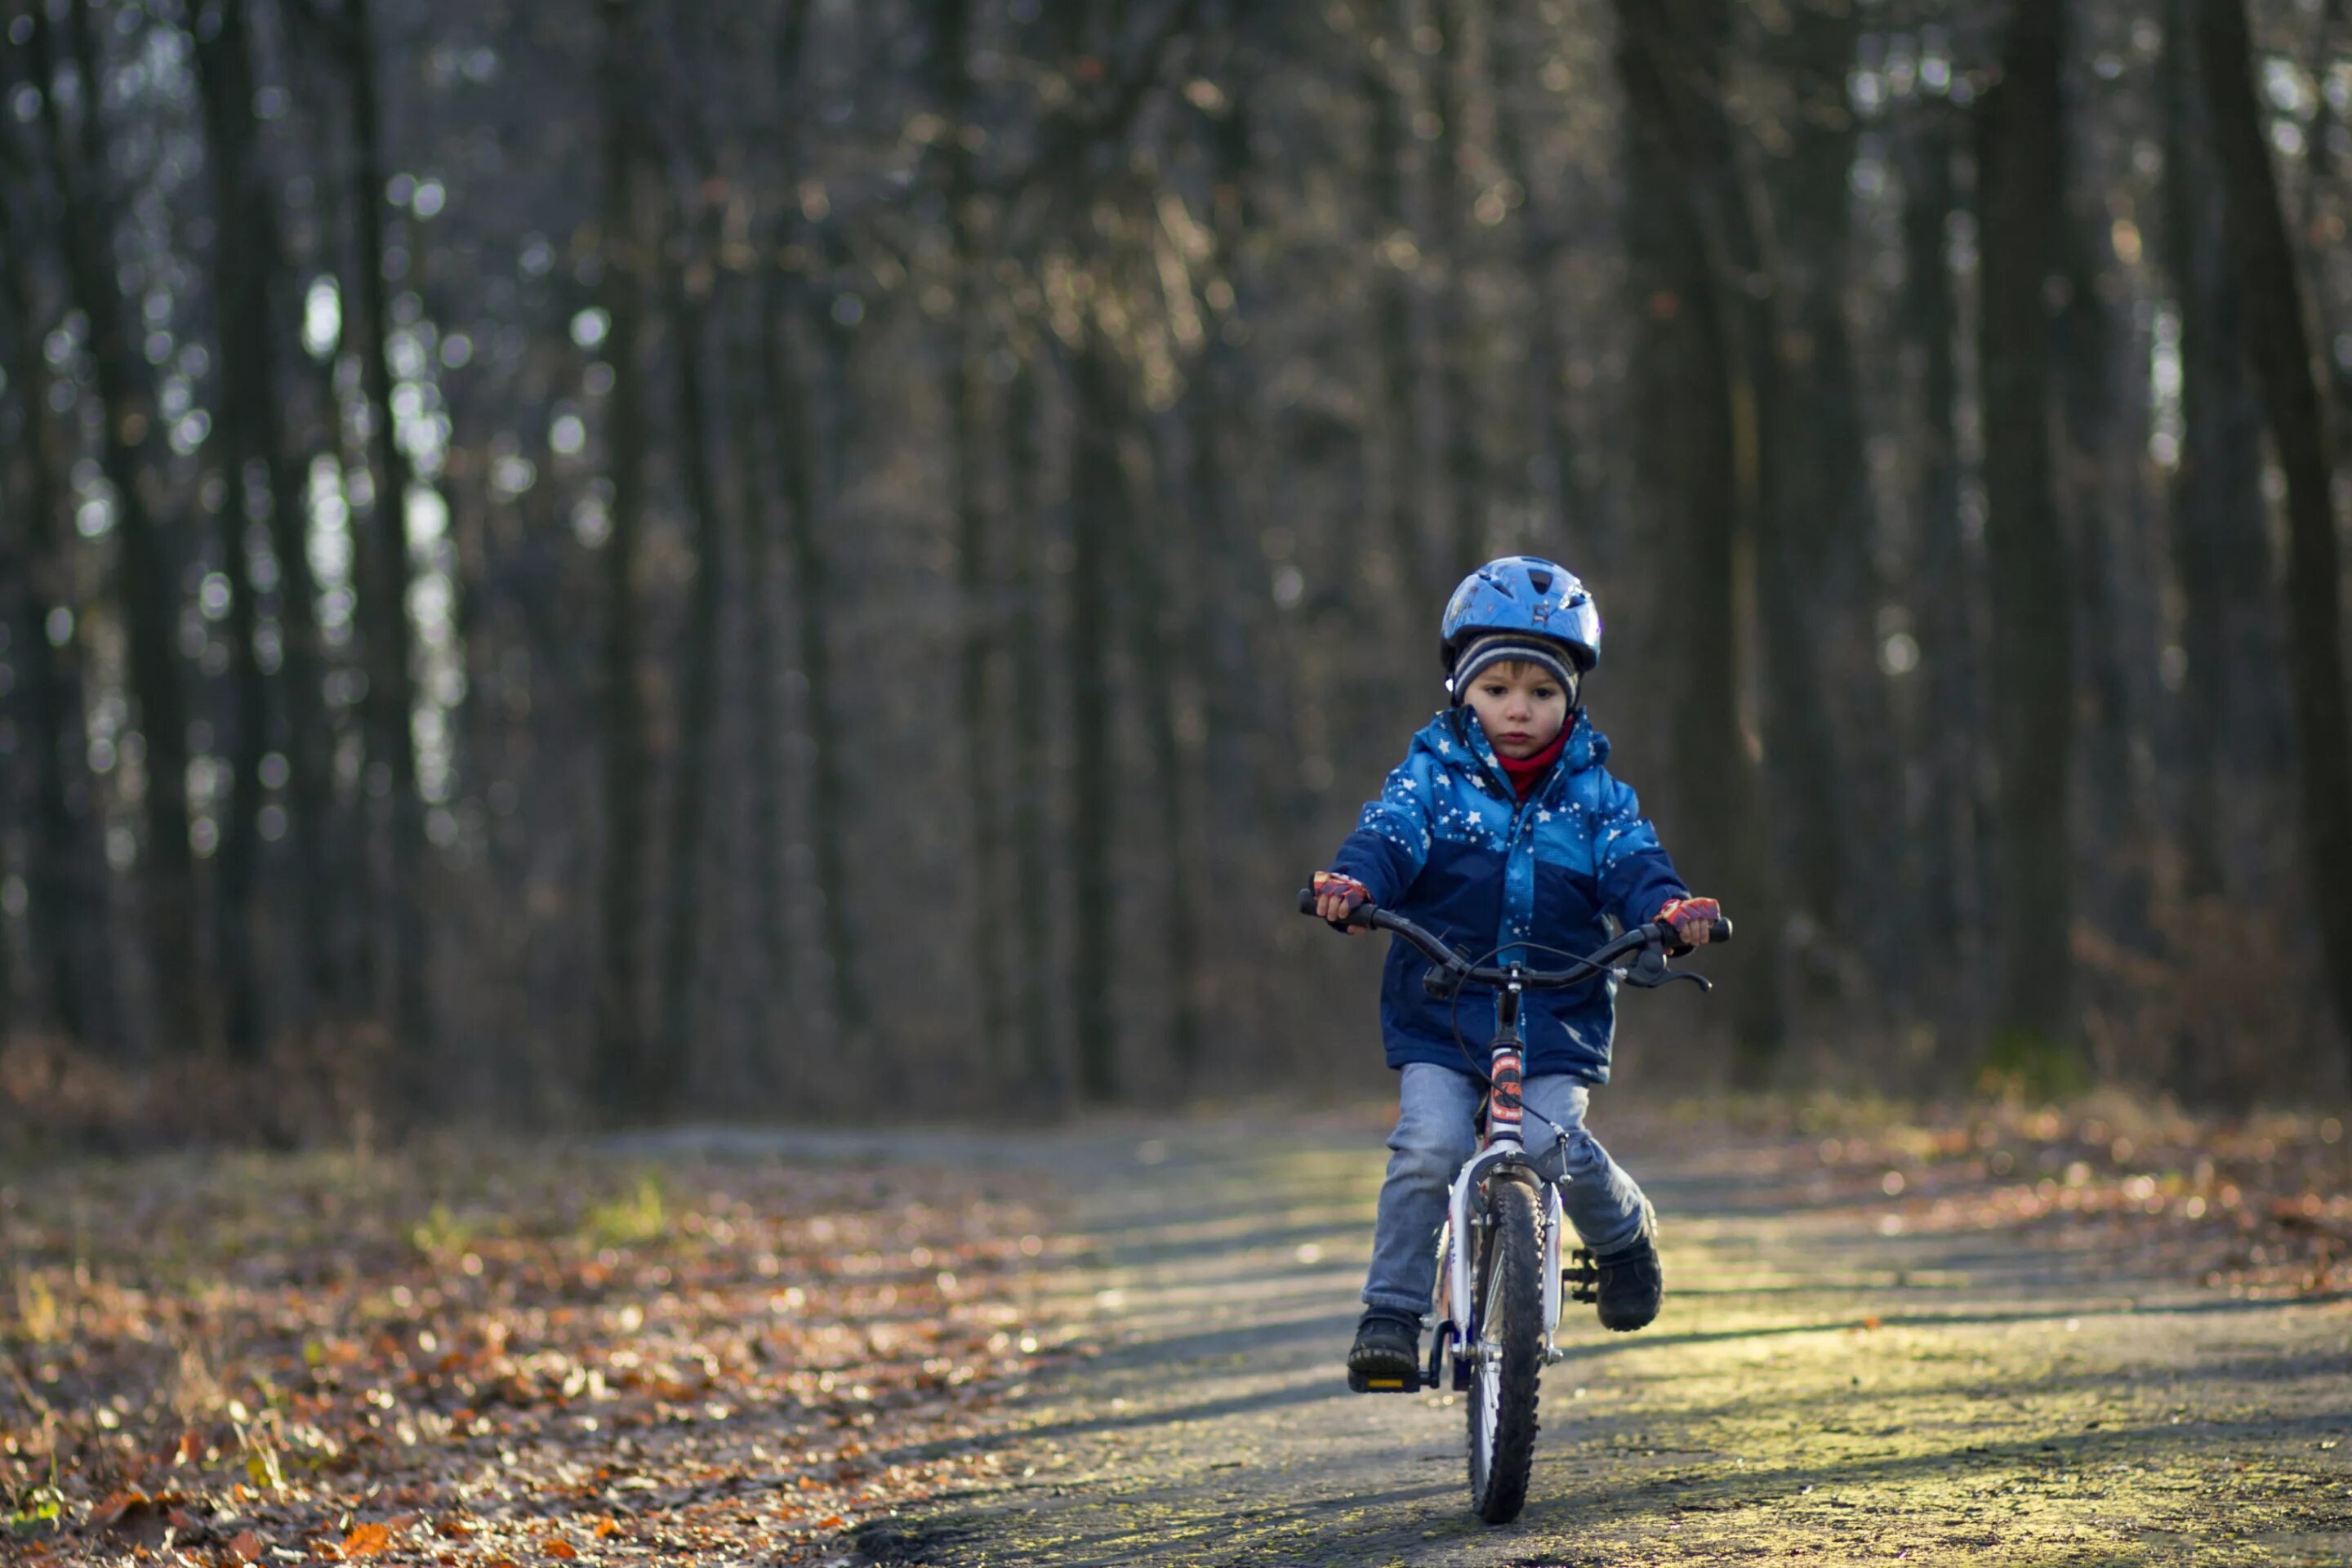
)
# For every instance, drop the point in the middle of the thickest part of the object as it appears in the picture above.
(556, 1546)
(245, 1546)
(118, 1508)
(367, 1540)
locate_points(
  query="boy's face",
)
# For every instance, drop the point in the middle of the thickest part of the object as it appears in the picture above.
(1520, 706)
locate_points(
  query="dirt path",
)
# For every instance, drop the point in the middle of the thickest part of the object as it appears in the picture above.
(1821, 1388)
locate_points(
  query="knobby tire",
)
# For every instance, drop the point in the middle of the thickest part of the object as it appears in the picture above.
(1508, 1281)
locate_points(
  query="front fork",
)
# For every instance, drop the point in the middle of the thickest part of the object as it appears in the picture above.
(1458, 1307)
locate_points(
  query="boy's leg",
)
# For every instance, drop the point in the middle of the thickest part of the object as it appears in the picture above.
(1601, 1200)
(1436, 1108)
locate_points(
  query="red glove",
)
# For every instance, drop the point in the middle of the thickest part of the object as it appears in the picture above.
(1335, 896)
(1691, 920)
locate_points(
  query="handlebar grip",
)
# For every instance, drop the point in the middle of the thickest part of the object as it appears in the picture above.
(1358, 919)
(1719, 932)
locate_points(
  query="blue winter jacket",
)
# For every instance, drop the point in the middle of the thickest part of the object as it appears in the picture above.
(1449, 846)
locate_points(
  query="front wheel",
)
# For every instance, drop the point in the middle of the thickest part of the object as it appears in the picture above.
(1507, 1353)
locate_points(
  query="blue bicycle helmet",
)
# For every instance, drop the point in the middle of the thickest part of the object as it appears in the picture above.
(1527, 594)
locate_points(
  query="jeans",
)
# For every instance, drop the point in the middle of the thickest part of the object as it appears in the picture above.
(1435, 1135)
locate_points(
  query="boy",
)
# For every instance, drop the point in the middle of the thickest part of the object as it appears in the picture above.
(1502, 826)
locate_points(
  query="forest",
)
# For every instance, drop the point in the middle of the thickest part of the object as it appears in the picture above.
(613, 561)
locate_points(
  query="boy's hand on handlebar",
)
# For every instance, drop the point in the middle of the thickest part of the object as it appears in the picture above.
(1692, 920)
(1337, 896)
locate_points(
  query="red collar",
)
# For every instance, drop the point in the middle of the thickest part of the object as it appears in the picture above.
(1525, 772)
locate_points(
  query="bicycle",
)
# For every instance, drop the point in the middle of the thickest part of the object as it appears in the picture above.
(1500, 1293)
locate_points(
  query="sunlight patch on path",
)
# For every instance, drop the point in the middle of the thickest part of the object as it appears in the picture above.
(1817, 1391)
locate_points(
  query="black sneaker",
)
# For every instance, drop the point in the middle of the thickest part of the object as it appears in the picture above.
(1386, 1356)
(1632, 1283)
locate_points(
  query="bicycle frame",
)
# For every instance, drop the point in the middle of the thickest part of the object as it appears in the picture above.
(1506, 1148)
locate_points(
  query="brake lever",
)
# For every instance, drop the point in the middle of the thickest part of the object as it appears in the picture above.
(1649, 972)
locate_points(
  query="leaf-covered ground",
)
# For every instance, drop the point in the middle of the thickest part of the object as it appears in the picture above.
(461, 1354)
(1989, 1333)
(2258, 1206)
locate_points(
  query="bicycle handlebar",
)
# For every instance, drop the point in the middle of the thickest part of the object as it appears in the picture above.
(1460, 971)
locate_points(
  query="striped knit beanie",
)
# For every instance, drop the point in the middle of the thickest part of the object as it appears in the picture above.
(1514, 647)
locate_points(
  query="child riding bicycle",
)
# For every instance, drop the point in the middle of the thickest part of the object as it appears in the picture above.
(1502, 830)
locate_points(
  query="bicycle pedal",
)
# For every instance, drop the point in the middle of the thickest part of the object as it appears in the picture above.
(1582, 1278)
(1360, 1383)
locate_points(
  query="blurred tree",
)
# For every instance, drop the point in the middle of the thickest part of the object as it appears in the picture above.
(380, 561)
(2019, 156)
(2280, 346)
(254, 445)
(688, 282)
(1033, 785)
(1814, 546)
(1702, 379)
(1099, 503)
(787, 307)
(964, 393)
(1951, 732)
(1383, 81)
(150, 589)
(758, 507)
(628, 245)
(1456, 180)
(65, 873)
(2219, 537)
(1563, 500)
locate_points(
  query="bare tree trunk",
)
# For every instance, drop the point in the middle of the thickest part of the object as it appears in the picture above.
(1566, 505)
(1699, 459)
(308, 734)
(620, 1062)
(1033, 778)
(2100, 502)
(811, 571)
(758, 504)
(1098, 501)
(1153, 612)
(65, 871)
(384, 578)
(964, 390)
(148, 573)
(2221, 538)
(1451, 185)
(2020, 152)
(1396, 258)
(698, 693)
(1951, 733)
(2281, 348)
(245, 254)
(1226, 642)
(1831, 782)
(784, 481)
